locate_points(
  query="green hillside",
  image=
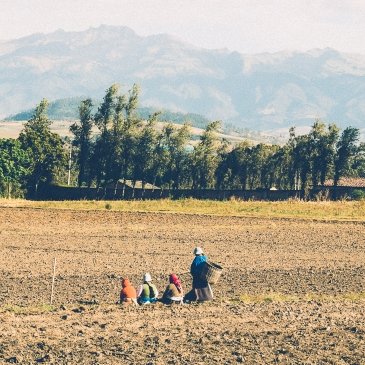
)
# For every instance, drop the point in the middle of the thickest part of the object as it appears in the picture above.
(63, 109)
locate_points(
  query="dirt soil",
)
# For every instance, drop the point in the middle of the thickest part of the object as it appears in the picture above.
(310, 268)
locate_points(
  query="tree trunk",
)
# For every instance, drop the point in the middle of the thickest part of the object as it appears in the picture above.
(9, 189)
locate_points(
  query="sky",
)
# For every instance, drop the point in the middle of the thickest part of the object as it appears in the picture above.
(246, 26)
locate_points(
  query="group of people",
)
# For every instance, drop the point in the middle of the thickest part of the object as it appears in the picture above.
(148, 293)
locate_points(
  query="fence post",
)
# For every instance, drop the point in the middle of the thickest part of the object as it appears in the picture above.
(53, 279)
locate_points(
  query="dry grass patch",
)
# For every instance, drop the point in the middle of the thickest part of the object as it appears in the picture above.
(338, 210)
(279, 298)
(27, 310)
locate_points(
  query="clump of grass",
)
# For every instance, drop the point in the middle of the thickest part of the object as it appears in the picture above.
(26, 310)
(354, 297)
(279, 297)
(267, 298)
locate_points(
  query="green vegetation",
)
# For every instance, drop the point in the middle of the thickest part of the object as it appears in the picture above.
(82, 133)
(58, 110)
(14, 164)
(358, 194)
(129, 148)
(68, 108)
(45, 149)
(195, 120)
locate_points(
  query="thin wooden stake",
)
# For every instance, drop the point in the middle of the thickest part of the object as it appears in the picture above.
(53, 278)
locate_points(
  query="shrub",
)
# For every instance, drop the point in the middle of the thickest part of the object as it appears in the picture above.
(358, 194)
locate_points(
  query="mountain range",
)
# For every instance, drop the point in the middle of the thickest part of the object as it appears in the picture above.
(262, 91)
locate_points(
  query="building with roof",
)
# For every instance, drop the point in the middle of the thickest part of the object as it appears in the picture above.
(348, 182)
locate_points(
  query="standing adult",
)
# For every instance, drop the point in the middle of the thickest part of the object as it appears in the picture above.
(201, 290)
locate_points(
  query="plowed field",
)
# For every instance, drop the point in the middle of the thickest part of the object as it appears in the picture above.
(292, 291)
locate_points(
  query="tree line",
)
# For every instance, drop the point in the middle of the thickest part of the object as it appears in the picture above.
(114, 144)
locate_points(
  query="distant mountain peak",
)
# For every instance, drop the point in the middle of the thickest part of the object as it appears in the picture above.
(112, 29)
(264, 91)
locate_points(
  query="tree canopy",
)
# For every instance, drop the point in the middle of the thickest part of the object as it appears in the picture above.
(45, 148)
(114, 144)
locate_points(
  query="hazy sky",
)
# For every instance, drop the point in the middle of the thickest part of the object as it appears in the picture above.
(248, 26)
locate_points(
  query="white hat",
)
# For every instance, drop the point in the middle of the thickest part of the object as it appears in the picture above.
(198, 251)
(147, 277)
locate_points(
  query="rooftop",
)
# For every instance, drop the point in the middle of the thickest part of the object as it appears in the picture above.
(353, 182)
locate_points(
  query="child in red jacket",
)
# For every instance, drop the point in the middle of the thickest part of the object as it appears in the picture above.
(128, 293)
